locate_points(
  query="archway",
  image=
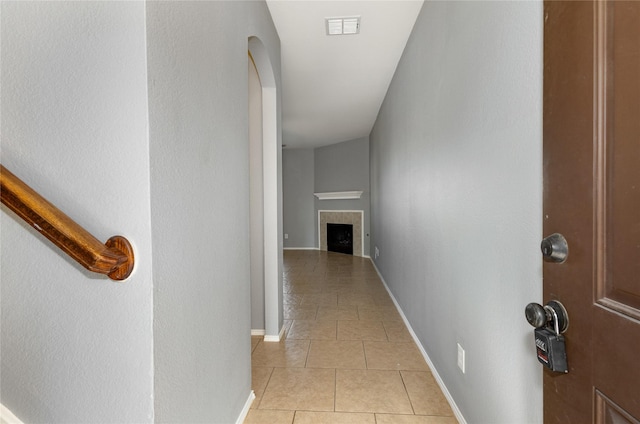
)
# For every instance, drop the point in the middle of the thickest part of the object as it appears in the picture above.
(266, 195)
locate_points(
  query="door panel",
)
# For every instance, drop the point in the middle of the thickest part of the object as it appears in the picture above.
(592, 197)
(620, 70)
(617, 212)
(608, 412)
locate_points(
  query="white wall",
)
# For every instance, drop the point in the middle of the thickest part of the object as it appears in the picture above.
(199, 149)
(456, 175)
(76, 346)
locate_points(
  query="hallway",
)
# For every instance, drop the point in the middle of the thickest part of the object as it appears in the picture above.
(347, 356)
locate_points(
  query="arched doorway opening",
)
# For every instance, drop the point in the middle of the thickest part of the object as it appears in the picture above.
(265, 161)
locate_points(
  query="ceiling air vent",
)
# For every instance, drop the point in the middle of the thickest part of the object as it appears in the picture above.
(343, 26)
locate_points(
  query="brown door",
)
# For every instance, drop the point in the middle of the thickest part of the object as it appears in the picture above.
(592, 197)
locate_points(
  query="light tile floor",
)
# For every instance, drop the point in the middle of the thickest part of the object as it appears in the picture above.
(347, 356)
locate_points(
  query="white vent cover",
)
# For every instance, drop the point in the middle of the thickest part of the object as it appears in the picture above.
(343, 26)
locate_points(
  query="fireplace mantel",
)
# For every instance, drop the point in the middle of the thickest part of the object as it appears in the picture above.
(339, 195)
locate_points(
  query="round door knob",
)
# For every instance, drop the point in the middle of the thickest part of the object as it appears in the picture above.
(552, 313)
(554, 248)
(536, 315)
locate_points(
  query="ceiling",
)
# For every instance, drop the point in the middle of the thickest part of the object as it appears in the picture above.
(333, 85)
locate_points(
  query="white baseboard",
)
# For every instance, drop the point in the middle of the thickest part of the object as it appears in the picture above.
(256, 332)
(274, 339)
(445, 391)
(277, 338)
(247, 406)
(7, 417)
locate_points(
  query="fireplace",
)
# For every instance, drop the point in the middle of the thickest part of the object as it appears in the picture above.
(340, 238)
(354, 218)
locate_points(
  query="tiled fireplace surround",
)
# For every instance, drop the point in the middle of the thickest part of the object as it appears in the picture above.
(354, 218)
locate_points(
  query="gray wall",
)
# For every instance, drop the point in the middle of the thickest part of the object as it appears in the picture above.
(132, 117)
(199, 150)
(256, 198)
(344, 167)
(76, 346)
(337, 167)
(456, 180)
(298, 207)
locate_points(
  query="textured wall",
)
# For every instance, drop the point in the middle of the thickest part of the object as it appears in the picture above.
(199, 150)
(76, 346)
(256, 200)
(456, 179)
(344, 167)
(337, 167)
(299, 218)
(131, 116)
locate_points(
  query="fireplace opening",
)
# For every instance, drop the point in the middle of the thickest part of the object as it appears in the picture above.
(340, 238)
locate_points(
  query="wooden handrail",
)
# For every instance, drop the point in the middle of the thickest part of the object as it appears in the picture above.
(114, 258)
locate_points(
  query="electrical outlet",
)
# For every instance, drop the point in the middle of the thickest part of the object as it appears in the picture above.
(461, 359)
(377, 253)
(286, 236)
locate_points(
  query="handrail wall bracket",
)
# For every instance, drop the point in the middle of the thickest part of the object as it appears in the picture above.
(121, 244)
(114, 258)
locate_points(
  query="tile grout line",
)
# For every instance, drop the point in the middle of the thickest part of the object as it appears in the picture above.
(364, 353)
(265, 388)
(306, 359)
(407, 391)
(387, 340)
(335, 388)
